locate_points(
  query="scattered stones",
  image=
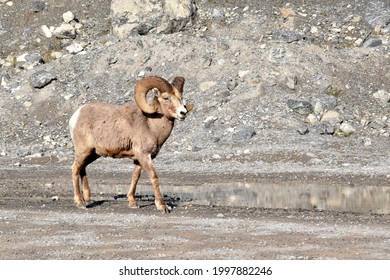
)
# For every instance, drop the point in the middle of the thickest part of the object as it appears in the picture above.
(241, 53)
(41, 79)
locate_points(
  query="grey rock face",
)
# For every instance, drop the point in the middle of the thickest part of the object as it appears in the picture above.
(140, 16)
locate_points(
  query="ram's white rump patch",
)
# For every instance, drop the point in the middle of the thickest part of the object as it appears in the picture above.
(73, 121)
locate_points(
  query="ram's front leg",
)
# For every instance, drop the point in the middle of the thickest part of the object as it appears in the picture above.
(148, 166)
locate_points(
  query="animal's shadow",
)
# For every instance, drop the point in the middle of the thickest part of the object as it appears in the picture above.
(143, 200)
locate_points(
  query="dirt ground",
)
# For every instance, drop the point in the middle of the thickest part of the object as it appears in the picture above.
(38, 220)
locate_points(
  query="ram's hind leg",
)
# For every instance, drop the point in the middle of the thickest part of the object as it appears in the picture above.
(78, 199)
(79, 171)
(133, 185)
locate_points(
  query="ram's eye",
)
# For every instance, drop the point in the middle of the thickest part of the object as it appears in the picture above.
(166, 98)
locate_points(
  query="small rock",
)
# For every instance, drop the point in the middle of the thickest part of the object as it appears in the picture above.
(330, 90)
(276, 54)
(37, 6)
(366, 141)
(34, 58)
(332, 117)
(314, 30)
(216, 156)
(300, 107)
(46, 31)
(377, 124)
(55, 198)
(195, 149)
(347, 129)
(324, 128)
(65, 31)
(303, 130)
(75, 48)
(372, 42)
(218, 16)
(318, 108)
(382, 96)
(68, 17)
(288, 36)
(243, 132)
(358, 42)
(41, 79)
(286, 12)
(291, 81)
(112, 60)
(311, 119)
(243, 73)
(232, 84)
(209, 121)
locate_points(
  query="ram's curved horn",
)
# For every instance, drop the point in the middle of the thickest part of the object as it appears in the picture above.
(142, 88)
(178, 83)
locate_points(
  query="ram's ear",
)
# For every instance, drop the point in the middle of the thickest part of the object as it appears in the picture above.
(189, 107)
(178, 83)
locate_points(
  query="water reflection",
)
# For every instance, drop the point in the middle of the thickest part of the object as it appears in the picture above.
(372, 199)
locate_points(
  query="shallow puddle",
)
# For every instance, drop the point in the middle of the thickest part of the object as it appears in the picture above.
(367, 199)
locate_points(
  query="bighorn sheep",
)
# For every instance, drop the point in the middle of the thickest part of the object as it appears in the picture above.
(135, 131)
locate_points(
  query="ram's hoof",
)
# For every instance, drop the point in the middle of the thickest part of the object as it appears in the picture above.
(133, 206)
(163, 208)
(80, 203)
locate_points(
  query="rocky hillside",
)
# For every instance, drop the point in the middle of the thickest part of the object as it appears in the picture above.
(272, 81)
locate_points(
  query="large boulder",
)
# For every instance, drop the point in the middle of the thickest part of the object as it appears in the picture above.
(130, 17)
